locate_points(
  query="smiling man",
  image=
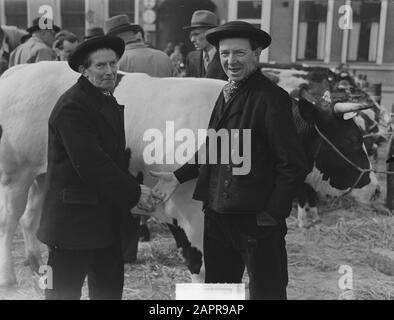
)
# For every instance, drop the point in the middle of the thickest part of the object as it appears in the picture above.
(89, 190)
(244, 222)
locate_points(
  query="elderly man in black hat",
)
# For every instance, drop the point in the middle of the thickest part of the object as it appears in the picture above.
(204, 62)
(39, 46)
(245, 213)
(89, 188)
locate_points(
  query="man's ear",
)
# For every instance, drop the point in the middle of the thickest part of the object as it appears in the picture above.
(82, 70)
(257, 52)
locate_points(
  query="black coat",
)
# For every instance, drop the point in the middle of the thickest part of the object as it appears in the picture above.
(195, 66)
(278, 161)
(88, 187)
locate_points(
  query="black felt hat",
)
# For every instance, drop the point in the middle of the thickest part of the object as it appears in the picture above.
(86, 47)
(238, 29)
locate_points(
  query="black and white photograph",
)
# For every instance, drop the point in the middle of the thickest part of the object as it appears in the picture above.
(196, 150)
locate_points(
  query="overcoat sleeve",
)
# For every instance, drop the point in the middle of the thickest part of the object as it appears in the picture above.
(76, 129)
(291, 163)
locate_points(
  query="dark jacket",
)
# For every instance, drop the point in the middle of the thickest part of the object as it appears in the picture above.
(195, 66)
(278, 161)
(88, 185)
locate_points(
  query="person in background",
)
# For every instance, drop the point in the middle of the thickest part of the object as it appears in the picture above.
(10, 38)
(169, 48)
(138, 57)
(177, 61)
(38, 47)
(204, 62)
(65, 43)
(93, 32)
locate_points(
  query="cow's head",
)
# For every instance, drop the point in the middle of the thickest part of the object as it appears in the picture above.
(335, 121)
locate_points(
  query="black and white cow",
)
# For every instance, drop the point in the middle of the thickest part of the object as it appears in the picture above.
(29, 92)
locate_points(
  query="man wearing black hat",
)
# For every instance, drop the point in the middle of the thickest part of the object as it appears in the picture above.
(39, 46)
(204, 62)
(245, 213)
(88, 187)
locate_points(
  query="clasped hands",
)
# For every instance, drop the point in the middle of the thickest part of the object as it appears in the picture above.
(161, 192)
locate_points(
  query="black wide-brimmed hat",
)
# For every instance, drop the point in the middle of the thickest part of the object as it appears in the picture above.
(75, 59)
(202, 19)
(36, 26)
(238, 29)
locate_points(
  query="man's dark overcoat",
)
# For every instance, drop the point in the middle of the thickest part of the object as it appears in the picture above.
(88, 186)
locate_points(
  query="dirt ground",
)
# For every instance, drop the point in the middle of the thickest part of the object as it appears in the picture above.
(345, 235)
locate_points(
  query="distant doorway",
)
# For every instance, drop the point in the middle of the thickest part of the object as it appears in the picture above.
(173, 15)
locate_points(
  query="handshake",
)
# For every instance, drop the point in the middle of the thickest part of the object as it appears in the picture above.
(161, 192)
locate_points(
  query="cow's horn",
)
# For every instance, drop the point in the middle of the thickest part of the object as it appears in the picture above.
(344, 107)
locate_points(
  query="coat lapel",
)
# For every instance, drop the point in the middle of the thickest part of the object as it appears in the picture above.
(101, 103)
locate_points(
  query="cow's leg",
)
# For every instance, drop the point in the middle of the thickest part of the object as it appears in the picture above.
(312, 200)
(30, 221)
(302, 203)
(13, 198)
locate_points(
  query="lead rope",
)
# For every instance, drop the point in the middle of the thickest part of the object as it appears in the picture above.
(362, 171)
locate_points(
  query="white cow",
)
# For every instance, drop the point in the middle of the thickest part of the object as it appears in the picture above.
(27, 96)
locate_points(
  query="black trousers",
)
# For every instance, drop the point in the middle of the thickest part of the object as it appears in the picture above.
(233, 241)
(103, 267)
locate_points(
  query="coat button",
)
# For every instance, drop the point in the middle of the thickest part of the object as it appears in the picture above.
(225, 195)
(226, 183)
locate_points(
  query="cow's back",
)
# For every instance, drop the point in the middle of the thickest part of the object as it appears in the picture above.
(28, 94)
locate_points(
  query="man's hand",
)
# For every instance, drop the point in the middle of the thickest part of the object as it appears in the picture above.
(166, 185)
(146, 201)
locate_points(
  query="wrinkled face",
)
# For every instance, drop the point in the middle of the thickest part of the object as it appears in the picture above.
(197, 37)
(103, 69)
(68, 47)
(237, 57)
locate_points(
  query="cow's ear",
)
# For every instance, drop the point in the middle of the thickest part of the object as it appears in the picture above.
(307, 110)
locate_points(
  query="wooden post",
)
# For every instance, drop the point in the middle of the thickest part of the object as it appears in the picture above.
(390, 177)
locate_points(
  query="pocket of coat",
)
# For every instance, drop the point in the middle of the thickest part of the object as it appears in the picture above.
(75, 196)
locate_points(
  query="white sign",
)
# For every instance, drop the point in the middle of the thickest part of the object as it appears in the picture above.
(149, 4)
(210, 291)
(149, 16)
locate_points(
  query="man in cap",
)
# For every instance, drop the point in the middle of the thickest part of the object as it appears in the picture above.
(245, 212)
(39, 46)
(138, 56)
(204, 62)
(93, 32)
(10, 38)
(89, 188)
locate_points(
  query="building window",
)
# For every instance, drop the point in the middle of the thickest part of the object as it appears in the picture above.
(312, 30)
(73, 16)
(117, 7)
(246, 10)
(16, 13)
(364, 35)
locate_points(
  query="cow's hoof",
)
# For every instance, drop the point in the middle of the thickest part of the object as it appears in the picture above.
(144, 233)
(33, 262)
